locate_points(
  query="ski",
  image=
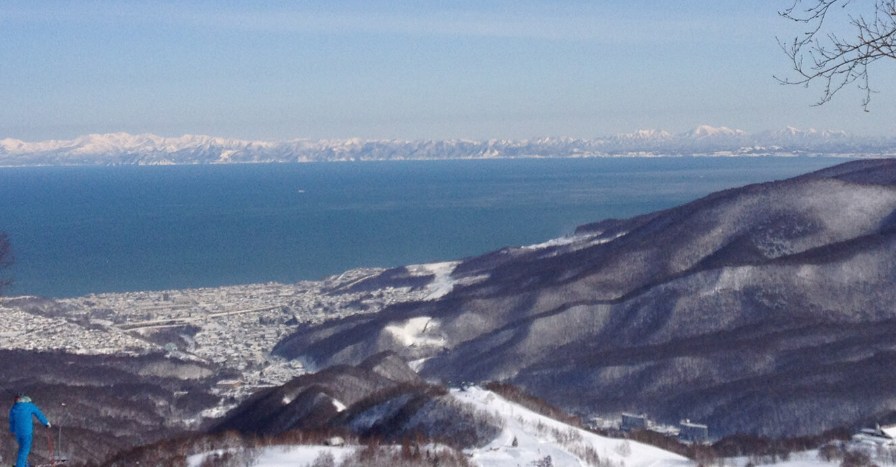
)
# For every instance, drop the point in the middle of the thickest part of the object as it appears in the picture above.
(49, 464)
(55, 463)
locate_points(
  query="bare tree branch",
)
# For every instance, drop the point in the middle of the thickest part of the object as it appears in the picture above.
(834, 60)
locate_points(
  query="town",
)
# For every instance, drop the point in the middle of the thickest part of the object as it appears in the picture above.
(233, 328)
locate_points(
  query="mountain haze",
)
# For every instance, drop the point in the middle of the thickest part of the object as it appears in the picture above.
(148, 149)
(766, 309)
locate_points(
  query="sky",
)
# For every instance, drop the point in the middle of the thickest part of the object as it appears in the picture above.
(371, 69)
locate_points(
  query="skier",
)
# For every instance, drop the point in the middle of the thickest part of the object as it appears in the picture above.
(22, 426)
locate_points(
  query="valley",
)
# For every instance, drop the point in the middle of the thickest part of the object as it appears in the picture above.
(760, 311)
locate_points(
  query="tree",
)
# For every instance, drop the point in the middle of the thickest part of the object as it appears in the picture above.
(5, 259)
(837, 59)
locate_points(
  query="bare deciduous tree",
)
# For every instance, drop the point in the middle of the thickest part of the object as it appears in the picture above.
(835, 51)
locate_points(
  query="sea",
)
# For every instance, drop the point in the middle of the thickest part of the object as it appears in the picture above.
(81, 230)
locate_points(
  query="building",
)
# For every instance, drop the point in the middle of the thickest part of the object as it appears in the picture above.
(879, 435)
(693, 432)
(632, 422)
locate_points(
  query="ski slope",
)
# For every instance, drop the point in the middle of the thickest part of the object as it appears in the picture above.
(539, 436)
(285, 456)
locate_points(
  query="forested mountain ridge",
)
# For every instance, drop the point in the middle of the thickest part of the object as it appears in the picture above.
(764, 309)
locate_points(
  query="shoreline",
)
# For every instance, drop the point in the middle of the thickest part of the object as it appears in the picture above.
(233, 328)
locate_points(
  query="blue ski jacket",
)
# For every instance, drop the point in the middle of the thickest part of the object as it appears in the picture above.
(20, 414)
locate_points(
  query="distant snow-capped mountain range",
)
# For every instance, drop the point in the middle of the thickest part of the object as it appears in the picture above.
(149, 149)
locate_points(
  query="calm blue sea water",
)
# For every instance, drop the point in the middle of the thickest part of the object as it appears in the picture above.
(77, 230)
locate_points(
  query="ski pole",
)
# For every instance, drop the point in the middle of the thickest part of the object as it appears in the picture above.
(52, 448)
(63, 417)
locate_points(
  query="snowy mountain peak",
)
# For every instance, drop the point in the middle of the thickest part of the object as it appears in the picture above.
(811, 134)
(707, 131)
(649, 134)
(124, 148)
(11, 144)
(793, 131)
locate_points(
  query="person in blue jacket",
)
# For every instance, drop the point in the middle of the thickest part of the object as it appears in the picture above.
(22, 426)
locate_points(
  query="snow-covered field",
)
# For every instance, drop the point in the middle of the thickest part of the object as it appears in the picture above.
(420, 331)
(442, 280)
(800, 459)
(538, 436)
(528, 439)
(292, 456)
(286, 456)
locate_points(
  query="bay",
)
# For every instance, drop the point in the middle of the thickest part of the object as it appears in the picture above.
(80, 230)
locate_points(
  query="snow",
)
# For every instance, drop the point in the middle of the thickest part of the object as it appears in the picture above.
(340, 407)
(304, 455)
(890, 430)
(574, 242)
(416, 332)
(799, 459)
(292, 456)
(646, 134)
(285, 456)
(416, 365)
(124, 148)
(217, 411)
(441, 284)
(112, 144)
(561, 241)
(707, 131)
(538, 436)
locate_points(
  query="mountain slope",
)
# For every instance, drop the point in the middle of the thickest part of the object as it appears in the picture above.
(380, 398)
(312, 401)
(515, 436)
(765, 309)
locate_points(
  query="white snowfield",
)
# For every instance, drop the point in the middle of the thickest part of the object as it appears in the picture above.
(294, 456)
(575, 242)
(286, 456)
(702, 140)
(799, 459)
(538, 436)
(421, 331)
(442, 282)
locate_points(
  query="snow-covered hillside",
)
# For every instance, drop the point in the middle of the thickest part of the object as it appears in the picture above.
(286, 456)
(124, 148)
(527, 438)
(642, 314)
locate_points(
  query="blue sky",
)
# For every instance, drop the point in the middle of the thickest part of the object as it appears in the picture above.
(411, 70)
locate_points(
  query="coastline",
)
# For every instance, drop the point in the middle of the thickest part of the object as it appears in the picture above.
(210, 226)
